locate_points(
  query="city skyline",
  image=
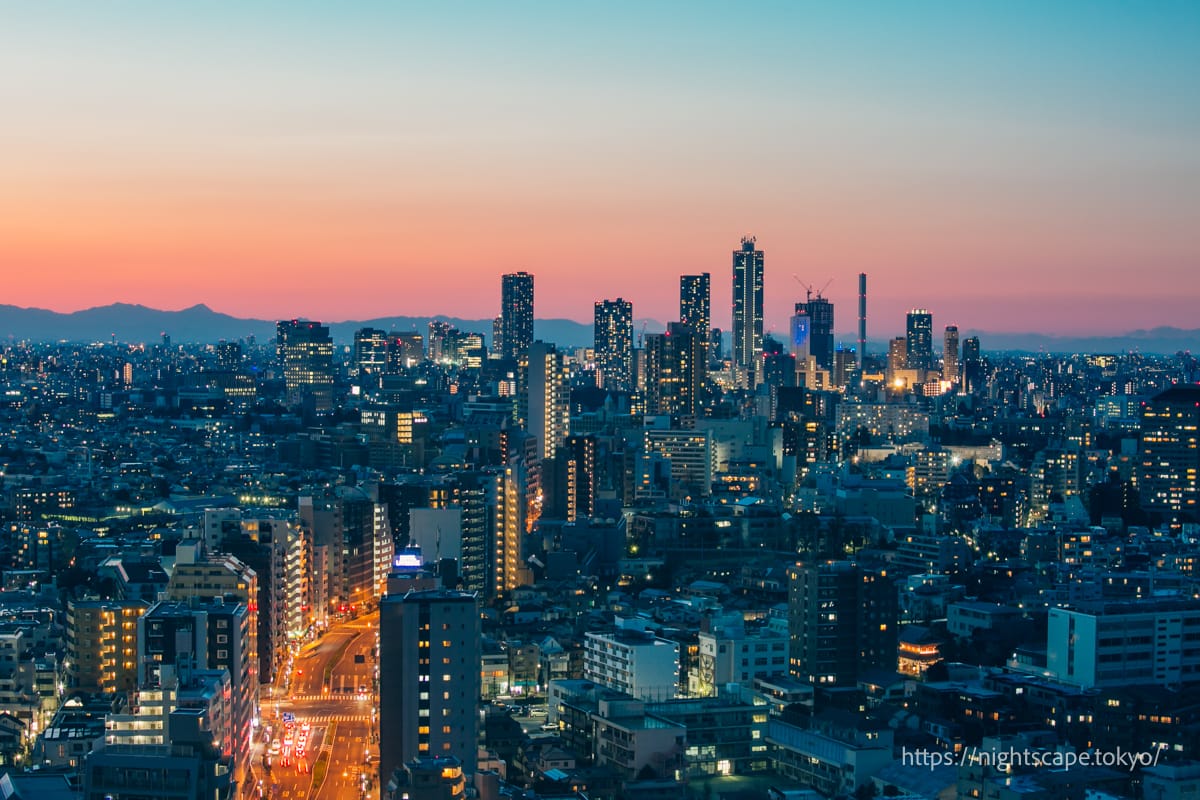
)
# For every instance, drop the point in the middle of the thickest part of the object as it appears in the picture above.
(981, 162)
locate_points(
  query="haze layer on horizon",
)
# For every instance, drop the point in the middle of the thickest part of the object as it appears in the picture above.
(1011, 167)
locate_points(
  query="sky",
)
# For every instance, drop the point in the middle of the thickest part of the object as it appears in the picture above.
(1011, 166)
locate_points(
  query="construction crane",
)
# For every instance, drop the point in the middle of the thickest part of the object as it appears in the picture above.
(808, 289)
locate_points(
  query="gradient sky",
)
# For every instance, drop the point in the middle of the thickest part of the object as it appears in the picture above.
(1011, 166)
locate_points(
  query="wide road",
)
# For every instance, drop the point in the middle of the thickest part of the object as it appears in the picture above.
(333, 688)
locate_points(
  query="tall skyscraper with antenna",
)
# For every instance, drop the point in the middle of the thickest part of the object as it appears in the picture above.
(747, 305)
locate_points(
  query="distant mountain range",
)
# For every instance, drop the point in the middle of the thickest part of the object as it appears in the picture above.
(136, 323)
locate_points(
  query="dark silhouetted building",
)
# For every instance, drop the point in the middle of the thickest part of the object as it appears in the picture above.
(429, 677)
(305, 352)
(842, 620)
(919, 340)
(1169, 477)
(613, 343)
(516, 314)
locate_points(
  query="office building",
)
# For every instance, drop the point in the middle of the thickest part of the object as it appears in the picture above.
(305, 353)
(919, 340)
(800, 336)
(1169, 474)
(747, 305)
(1136, 642)
(516, 314)
(370, 351)
(613, 343)
(405, 350)
(820, 315)
(429, 678)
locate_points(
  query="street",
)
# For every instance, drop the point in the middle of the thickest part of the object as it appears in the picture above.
(332, 689)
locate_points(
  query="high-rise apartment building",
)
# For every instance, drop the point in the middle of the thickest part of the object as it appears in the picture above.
(305, 352)
(516, 314)
(613, 343)
(695, 306)
(429, 677)
(919, 340)
(674, 370)
(207, 635)
(572, 480)
(747, 305)
(102, 644)
(1169, 474)
(549, 407)
(950, 370)
(842, 619)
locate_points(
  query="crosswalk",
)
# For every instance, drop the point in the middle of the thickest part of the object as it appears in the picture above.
(323, 698)
(316, 718)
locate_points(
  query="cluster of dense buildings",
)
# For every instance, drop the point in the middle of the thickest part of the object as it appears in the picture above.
(624, 570)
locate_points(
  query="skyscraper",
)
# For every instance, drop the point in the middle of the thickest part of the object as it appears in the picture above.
(897, 358)
(919, 336)
(516, 313)
(429, 677)
(370, 351)
(820, 314)
(800, 339)
(613, 343)
(972, 365)
(695, 309)
(950, 354)
(674, 370)
(305, 352)
(747, 304)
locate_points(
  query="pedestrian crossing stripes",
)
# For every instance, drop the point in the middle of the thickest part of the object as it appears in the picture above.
(315, 718)
(323, 698)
